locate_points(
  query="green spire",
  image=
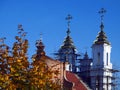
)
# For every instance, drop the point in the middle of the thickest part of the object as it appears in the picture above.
(101, 38)
(68, 43)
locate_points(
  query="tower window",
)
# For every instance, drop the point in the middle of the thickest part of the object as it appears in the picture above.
(107, 59)
(98, 57)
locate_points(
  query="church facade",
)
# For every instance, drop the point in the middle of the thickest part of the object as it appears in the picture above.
(85, 73)
(95, 71)
(65, 77)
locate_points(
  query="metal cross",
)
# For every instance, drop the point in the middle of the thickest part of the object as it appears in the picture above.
(68, 18)
(38, 41)
(101, 12)
(68, 32)
(41, 36)
(20, 27)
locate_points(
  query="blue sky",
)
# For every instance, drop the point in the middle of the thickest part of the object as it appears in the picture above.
(48, 17)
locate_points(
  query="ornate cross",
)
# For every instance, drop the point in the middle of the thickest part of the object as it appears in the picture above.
(41, 36)
(38, 41)
(68, 18)
(101, 12)
(20, 27)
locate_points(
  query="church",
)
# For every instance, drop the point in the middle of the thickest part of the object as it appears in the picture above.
(94, 73)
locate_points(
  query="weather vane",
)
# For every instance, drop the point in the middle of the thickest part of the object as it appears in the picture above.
(102, 12)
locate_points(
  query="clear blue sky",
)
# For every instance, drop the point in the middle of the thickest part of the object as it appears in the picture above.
(48, 17)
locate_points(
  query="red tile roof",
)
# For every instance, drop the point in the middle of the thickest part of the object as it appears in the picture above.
(77, 82)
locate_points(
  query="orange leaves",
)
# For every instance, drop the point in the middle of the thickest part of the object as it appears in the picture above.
(15, 72)
(44, 77)
(12, 69)
(18, 62)
(4, 69)
(4, 81)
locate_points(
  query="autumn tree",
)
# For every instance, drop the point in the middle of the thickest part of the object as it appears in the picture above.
(41, 74)
(16, 73)
(19, 65)
(4, 69)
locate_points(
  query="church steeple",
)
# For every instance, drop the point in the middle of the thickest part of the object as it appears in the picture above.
(67, 52)
(101, 38)
(40, 48)
(86, 55)
(101, 65)
(68, 43)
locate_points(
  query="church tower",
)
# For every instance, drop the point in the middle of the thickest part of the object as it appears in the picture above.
(85, 66)
(101, 70)
(67, 52)
(40, 48)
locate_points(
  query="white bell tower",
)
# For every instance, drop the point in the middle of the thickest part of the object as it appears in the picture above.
(101, 70)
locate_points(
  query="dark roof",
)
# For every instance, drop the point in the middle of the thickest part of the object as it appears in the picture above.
(101, 38)
(68, 43)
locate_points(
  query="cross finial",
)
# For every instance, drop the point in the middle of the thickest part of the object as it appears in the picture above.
(20, 27)
(41, 36)
(102, 12)
(39, 42)
(68, 18)
(68, 32)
